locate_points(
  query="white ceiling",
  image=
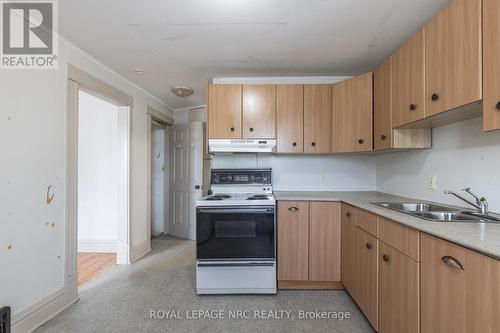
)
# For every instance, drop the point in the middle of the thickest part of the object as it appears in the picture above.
(189, 41)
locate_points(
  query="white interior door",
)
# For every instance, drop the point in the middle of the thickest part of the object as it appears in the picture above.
(187, 178)
(157, 179)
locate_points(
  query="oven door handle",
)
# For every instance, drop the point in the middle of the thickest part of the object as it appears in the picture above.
(236, 264)
(236, 211)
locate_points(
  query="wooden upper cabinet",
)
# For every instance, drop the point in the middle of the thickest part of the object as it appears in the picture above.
(453, 65)
(317, 118)
(352, 115)
(293, 240)
(408, 81)
(382, 106)
(224, 111)
(290, 118)
(324, 241)
(491, 70)
(399, 293)
(259, 111)
(460, 289)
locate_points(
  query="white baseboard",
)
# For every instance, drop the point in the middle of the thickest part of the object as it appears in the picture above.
(97, 245)
(34, 316)
(140, 250)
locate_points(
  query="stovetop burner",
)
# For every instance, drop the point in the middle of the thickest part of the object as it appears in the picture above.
(258, 197)
(219, 197)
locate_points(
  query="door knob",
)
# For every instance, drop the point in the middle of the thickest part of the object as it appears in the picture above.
(232, 129)
(251, 129)
(197, 187)
(361, 141)
(383, 137)
(294, 144)
(313, 144)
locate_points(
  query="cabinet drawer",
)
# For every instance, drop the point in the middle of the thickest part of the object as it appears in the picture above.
(400, 237)
(368, 222)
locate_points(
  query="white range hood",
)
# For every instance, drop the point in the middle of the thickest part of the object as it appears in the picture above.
(241, 146)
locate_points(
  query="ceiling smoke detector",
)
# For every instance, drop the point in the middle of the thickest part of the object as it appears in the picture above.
(182, 91)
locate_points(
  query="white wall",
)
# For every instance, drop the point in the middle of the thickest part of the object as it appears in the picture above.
(462, 156)
(33, 150)
(97, 175)
(303, 173)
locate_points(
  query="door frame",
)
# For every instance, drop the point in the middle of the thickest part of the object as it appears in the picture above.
(159, 117)
(78, 80)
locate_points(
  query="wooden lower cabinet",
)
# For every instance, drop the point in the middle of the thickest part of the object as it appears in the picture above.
(460, 289)
(366, 274)
(293, 240)
(324, 241)
(399, 293)
(309, 243)
(349, 216)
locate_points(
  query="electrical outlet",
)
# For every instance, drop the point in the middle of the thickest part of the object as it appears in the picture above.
(432, 183)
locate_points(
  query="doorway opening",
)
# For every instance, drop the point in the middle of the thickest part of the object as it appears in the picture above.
(102, 214)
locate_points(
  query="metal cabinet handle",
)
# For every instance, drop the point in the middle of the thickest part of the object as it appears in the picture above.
(369, 246)
(413, 107)
(385, 257)
(294, 144)
(361, 141)
(383, 137)
(251, 129)
(498, 106)
(232, 129)
(452, 262)
(293, 209)
(435, 97)
(348, 214)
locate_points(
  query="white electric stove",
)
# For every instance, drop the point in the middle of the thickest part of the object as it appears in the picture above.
(236, 234)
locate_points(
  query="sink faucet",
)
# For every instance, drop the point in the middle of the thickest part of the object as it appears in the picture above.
(481, 203)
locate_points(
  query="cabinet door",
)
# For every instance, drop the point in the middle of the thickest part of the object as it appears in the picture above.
(259, 111)
(382, 108)
(290, 118)
(453, 57)
(352, 115)
(224, 111)
(399, 294)
(366, 274)
(349, 215)
(460, 289)
(408, 81)
(293, 240)
(324, 241)
(491, 54)
(317, 118)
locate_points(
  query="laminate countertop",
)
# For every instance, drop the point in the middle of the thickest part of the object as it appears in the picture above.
(481, 237)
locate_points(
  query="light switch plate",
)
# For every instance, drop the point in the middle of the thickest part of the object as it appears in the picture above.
(432, 183)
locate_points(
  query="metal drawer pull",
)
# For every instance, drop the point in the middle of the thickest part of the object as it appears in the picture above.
(385, 257)
(452, 262)
(368, 246)
(293, 209)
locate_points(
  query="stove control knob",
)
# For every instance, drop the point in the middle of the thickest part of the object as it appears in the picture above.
(252, 178)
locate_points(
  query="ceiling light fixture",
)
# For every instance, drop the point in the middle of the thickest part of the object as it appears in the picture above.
(138, 71)
(182, 91)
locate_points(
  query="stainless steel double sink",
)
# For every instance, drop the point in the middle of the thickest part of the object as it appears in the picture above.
(438, 213)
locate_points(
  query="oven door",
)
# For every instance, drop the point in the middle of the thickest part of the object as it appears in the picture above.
(235, 232)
